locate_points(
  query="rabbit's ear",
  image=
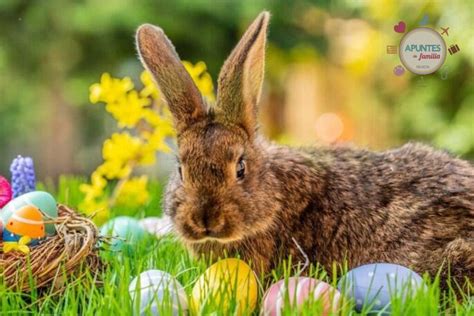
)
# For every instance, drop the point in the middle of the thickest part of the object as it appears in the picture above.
(160, 58)
(241, 77)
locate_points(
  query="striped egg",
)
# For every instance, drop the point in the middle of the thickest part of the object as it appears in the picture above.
(298, 290)
(41, 200)
(27, 221)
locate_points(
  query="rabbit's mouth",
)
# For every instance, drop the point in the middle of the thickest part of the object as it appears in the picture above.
(195, 234)
(201, 238)
(213, 240)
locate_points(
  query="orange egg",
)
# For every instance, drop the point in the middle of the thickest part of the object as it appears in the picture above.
(27, 221)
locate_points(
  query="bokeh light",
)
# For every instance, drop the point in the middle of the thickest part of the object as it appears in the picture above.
(329, 128)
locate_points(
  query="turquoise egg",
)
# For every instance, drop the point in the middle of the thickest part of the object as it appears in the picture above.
(42, 200)
(126, 232)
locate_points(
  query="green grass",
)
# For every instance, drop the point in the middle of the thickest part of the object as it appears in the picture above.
(82, 297)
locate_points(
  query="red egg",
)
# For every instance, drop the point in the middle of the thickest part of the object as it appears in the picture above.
(297, 291)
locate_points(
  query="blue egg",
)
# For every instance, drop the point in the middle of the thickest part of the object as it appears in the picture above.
(8, 236)
(372, 285)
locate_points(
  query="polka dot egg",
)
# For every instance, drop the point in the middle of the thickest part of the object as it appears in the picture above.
(27, 221)
(297, 291)
(156, 292)
(41, 200)
(371, 286)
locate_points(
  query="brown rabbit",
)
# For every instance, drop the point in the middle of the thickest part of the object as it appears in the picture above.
(234, 192)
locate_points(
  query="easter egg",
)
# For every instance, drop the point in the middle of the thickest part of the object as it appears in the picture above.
(158, 226)
(27, 221)
(126, 233)
(372, 285)
(8, 236)
(41, 200)
(158, 293)
(298, 290)
(6, 192)
(228, 280)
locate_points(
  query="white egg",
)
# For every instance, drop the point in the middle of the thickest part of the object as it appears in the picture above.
(158, 291)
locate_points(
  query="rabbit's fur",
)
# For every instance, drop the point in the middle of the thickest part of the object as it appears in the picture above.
(412, 206)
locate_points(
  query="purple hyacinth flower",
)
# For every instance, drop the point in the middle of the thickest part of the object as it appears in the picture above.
(23, 175)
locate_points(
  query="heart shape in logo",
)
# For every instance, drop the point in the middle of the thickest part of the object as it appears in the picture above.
(400, 27)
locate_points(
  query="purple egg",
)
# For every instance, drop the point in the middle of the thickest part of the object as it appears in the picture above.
(372, 285)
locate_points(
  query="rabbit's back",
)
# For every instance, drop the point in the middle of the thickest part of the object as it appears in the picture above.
(413, 173)
(404, 205)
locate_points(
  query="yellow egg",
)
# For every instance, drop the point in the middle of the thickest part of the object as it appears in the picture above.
(227, 284)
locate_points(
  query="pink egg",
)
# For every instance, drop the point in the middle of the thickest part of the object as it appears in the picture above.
(300, 289)
(5, 192)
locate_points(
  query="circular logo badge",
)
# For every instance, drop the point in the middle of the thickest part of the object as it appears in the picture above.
(422, 51)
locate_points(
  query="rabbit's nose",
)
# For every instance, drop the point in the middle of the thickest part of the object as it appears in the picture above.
(214, 225)
(210, 222)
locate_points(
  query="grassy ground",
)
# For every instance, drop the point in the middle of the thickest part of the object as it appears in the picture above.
(82, 298)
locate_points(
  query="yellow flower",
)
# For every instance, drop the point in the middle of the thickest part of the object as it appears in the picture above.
(147, 155)
(149, 86)
(157, 140)
(121, 147)
(96, 188)
(115, 169)
(128, 111)
(133, 192)
(121, 152)
(109, 89)
(161, 122)
(201, 78)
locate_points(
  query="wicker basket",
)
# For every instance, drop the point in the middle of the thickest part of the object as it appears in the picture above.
(73, 250)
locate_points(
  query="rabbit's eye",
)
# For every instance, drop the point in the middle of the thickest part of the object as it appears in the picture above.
(241, 169)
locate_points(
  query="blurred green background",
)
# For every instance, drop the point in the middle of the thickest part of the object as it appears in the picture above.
(328, 76)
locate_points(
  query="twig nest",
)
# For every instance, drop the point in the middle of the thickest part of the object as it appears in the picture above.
(72, 247)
